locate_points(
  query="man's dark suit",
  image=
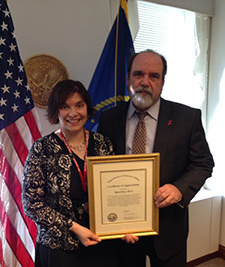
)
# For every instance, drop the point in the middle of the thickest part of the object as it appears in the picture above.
(185, 161)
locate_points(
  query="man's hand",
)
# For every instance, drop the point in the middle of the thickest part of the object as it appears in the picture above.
(130, 238)
(167, 195)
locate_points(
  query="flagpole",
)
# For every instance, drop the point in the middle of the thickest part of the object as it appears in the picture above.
(116, 49)
(123, 5)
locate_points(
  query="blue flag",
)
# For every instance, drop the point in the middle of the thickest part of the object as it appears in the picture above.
(108, 85)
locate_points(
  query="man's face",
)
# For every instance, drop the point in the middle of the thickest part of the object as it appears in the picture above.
(145, 81)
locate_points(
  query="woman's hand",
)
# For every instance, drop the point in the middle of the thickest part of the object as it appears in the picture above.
(86, 237)
(130, 238)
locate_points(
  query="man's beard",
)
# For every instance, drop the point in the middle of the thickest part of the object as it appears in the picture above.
(142, 101)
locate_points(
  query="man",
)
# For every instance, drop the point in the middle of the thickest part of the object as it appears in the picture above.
(175, 131)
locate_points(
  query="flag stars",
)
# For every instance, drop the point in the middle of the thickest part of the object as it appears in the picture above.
(27, 100)
(5, 89)
(2, 117)
(20, 68)
(17, 94)
(15, 107)
(6, 13)
(3, 102)
(15, 100)
(2, 41)
(4, 26)
(19, 81)
(28, 88)
(12, 47)
(8, 75)
(13, 34)
(10, 61)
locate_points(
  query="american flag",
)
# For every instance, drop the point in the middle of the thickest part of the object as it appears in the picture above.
(19, 128)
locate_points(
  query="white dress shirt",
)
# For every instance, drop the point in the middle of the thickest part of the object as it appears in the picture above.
(151, 121)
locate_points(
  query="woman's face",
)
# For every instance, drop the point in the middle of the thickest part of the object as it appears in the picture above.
(73, 114)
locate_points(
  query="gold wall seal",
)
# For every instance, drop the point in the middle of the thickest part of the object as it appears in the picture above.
(43, 73)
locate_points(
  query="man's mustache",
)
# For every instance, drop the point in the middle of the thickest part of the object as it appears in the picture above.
(141, 89)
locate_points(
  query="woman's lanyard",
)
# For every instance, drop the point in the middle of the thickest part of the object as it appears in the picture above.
(83, 178)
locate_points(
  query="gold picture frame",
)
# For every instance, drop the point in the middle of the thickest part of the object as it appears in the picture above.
(121, 191)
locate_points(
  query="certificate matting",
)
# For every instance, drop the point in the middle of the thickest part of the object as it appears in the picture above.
(121, 193)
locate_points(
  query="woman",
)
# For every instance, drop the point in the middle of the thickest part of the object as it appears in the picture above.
(55, 184)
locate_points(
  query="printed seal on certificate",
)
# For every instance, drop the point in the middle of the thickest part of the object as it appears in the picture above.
(43, 73)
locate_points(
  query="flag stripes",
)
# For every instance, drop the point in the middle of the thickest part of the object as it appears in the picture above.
(15, 216)
(14, 188)
(31, 122)
(14, 240)
(18, 146)
(2, 262)
(13, 158)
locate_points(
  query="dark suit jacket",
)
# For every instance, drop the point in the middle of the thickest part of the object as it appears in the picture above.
(185, 161)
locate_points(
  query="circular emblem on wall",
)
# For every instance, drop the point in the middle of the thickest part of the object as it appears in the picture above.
(112, 217)
(43, 73)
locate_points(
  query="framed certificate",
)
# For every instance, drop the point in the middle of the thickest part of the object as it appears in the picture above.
(121, 191)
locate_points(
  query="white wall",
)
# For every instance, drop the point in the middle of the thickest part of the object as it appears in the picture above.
(216, 106)
(204, 225)
(222, 227)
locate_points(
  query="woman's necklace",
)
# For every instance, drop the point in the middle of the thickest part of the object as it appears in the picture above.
(83, 177)
(78, 148)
